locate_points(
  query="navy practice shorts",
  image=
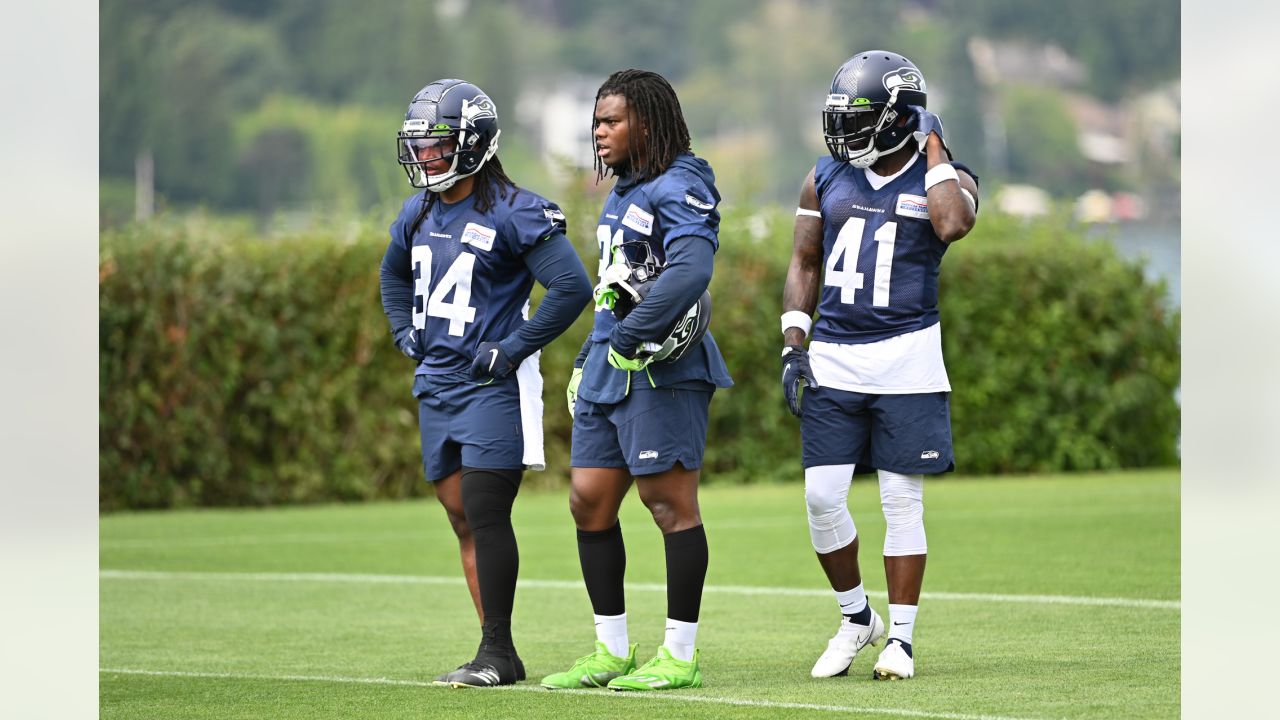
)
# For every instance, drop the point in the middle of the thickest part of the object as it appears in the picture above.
(648, 432)
(908, 434)
(463, 423)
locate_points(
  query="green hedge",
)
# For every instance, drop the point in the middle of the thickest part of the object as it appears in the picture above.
(238, 370)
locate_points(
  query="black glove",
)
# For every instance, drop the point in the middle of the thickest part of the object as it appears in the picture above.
(407, 341)
(796, 370)
(927, 122)
(491, 362)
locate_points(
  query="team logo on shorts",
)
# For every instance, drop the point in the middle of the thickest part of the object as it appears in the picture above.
(929, 455)
(649, 455)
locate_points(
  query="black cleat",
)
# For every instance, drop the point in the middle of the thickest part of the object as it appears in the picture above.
(491, 668)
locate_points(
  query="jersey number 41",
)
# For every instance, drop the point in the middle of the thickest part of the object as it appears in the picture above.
(848, 246)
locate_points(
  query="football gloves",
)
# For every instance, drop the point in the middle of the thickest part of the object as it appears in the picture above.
(571, 392)
(407, 342)
(926, 123)
(796, 371)
(491, 363)
(622, 362)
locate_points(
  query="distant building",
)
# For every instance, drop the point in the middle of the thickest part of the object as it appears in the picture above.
(560, 117)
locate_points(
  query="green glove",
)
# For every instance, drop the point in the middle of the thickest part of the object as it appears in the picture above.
(571, 392)
(605, 296)
(622, 362)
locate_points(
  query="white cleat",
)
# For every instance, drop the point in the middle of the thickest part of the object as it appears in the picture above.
(844, 647)
(894, 663)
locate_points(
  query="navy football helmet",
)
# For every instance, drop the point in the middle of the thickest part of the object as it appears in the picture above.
(869, 94)
(632, 275)
(451, 121)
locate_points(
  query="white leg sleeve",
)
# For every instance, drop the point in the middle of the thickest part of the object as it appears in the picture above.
(902, 499)
(826, 494)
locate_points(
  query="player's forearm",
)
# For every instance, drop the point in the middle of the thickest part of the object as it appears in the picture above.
(688, 273)
(556, 267)
(950, 212)
(397, 289)
(804, 275)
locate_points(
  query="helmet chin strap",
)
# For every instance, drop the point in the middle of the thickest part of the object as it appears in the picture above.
(870, 157)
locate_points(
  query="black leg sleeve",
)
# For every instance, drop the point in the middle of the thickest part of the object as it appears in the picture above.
(686, 572)
(487, 497)
(604, 563)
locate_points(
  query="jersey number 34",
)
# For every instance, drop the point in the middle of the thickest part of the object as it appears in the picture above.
(848, 246)
(456, 280)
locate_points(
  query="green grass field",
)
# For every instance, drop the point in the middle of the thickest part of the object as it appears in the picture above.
(1047, 597)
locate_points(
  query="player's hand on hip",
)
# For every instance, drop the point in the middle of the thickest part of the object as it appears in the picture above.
(571, 392)
(407, 342)
(927, 124)
(795, 372)
(491, 363)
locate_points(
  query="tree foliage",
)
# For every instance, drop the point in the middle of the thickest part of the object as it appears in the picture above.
(241, 370)
(176, 79)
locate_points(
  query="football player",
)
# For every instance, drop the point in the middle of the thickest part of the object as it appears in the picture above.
(456, 277)
(873, 223)
(639, 413)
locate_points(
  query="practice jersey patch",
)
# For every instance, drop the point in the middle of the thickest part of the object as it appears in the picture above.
(638, 220)
(700, 204)
(916, 206)
(478, 236)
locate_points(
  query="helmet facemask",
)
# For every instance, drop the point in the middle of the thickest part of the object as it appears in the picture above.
(464, 150)
(626, 282)
(861, 132)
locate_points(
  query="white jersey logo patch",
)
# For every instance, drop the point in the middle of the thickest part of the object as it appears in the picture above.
(638, 220)
(916, 206)
(700, 204)
(478, 236)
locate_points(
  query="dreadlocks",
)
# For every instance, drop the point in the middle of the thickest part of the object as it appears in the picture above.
(660, 122)
(492, 184)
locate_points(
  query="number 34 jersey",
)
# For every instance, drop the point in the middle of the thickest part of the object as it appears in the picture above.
(880, 255)
(470, 281)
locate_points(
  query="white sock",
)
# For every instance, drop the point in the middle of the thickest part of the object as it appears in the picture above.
(902, 620)
(852, 601)
(612, 631)
(680, 639)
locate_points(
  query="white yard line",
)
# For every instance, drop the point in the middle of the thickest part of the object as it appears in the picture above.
(651, 587)
(613, 696)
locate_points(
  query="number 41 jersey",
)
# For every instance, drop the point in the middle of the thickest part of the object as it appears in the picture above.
(880, 255)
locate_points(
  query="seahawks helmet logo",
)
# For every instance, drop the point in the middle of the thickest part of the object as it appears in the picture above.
(907, 78)
(478, 109)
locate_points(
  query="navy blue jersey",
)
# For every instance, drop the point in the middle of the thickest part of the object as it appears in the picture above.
(470, 281)
(880, 255)
(679, 203)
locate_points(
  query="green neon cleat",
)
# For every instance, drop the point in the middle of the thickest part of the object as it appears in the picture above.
(594, 670)
(661, 673)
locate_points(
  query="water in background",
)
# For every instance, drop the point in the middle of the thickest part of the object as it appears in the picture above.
(1159, 246)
